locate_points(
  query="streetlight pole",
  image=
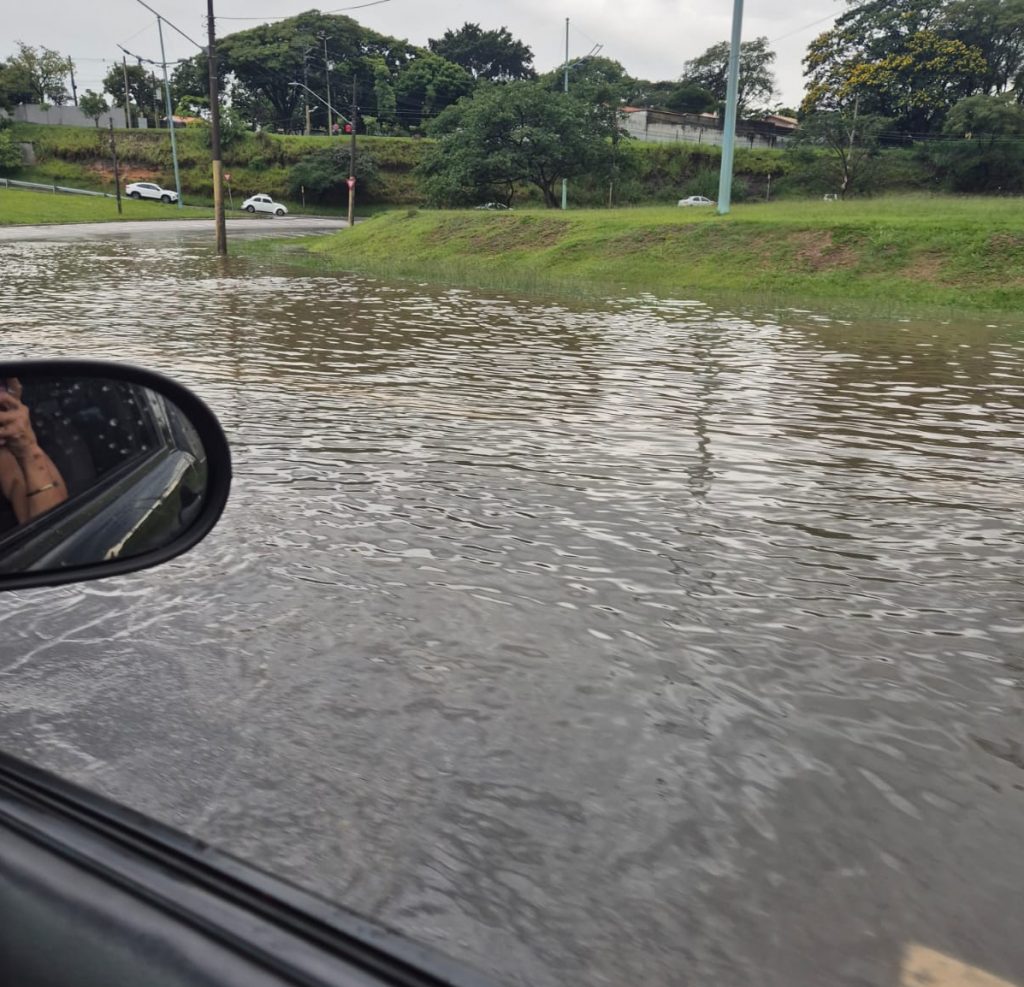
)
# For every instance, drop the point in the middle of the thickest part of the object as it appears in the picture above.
(218, 164)
(170, 115)
(565, 183)
(732, 90)
(327, 80)
(352, 158)
(305, 86)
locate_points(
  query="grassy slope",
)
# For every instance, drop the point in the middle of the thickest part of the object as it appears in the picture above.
(21, 207)
(962, 253)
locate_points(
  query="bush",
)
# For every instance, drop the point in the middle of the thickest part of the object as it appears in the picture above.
(10, 152)
(323, 175)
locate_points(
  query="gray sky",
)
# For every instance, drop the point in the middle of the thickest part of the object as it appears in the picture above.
(651, 38)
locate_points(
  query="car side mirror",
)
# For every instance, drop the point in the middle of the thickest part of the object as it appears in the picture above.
(104, 469)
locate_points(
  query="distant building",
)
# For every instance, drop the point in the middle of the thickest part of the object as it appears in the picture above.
(69, 116)
(666, 127)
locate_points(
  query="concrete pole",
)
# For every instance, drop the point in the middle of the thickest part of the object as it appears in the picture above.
(327, 79)
(127, 115)
(170, 112)
(731, 93)
(218, 165)
(565, 183)
(352, 157)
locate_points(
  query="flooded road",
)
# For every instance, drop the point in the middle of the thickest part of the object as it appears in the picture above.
(629, 644)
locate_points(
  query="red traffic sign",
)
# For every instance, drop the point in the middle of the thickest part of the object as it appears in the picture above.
(350, 182)
(227, 176)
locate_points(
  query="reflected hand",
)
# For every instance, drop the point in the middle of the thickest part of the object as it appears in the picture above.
(15, 423)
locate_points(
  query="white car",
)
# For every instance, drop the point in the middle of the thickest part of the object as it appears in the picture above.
(696, 200)
(150, 190)
(263, 203)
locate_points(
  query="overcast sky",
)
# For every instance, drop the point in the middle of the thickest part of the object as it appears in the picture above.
(651, 38)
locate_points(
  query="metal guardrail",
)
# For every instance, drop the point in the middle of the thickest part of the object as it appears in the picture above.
(56, 189)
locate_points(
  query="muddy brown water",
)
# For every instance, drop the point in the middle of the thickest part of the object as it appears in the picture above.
(629, 643)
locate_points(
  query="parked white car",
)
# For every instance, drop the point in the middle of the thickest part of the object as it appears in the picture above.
(696, 200)
(150, 190)
(263, 203)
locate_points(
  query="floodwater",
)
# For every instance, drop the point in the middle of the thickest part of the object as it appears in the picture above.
(627, 643)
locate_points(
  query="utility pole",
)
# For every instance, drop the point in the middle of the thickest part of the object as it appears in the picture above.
(218, 165)
(170, 113)
(117, 173)
(127, 114)
(352, 158)
(305, 88)
(731, 92)
(74, 88)
(327, 80)
(565, 183)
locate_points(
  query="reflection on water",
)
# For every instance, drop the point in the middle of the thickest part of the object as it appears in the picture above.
(634, 645)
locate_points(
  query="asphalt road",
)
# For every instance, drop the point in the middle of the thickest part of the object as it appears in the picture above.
(278, 226)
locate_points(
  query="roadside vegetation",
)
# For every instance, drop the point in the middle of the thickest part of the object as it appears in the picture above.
(24, 207)
(892, 254)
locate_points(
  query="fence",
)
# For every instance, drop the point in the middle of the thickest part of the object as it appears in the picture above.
(10, 183)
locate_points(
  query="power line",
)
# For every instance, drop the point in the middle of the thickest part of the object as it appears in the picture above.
(280, 17)
(169, 24)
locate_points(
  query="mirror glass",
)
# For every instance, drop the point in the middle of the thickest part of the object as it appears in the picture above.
(92, 469)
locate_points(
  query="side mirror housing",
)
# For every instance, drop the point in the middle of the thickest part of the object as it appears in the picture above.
(105, 469)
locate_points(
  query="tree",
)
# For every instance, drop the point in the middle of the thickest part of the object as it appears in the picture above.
(34, 75)
(142, 88)
(919, 82)
(986, 154)
(93, 105)
(427, 85)
(10, 152)
(756, 82)
(688, 97)
(851, 137)
(266, 61)
(493, 55)
(321, 176)
(384, 93)
(507, 134)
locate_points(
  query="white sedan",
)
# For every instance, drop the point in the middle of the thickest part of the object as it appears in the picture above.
(150, 190)
(263, 203)
(696, 200)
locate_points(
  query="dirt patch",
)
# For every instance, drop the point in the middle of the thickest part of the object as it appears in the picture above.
(924, 267)
(816, 250)
(647, 239)
(1006, 243)
(129, 173)
(515, 233)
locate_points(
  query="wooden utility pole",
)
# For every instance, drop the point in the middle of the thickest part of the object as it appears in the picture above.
(218, 165)
(74, 88)
(352, 158)
(127, 115)
(117, 173)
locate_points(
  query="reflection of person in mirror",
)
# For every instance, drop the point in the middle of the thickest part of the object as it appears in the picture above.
(29, 480)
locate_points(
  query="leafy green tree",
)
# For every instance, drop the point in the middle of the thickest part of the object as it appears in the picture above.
(493, 55)
(10, 152)
(265, 61)
(143, 91)
(996, 29)
(851, 138)
(93, 105)
(710, 71)
(34, 75)
(653, 95)
(520, 132)
(428, 84)
(321, 177)
(190, 84)
(986, 156)
(688, 97)
(384, 93)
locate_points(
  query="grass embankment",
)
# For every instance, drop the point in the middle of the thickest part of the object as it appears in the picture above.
(893, 253)
(20, 207)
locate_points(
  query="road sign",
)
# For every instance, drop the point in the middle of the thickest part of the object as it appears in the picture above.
(350, 182)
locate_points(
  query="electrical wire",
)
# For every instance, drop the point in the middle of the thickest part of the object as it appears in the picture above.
(281, 17)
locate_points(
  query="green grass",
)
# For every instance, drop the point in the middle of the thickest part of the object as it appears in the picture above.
(893, 254)
(24, 207)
